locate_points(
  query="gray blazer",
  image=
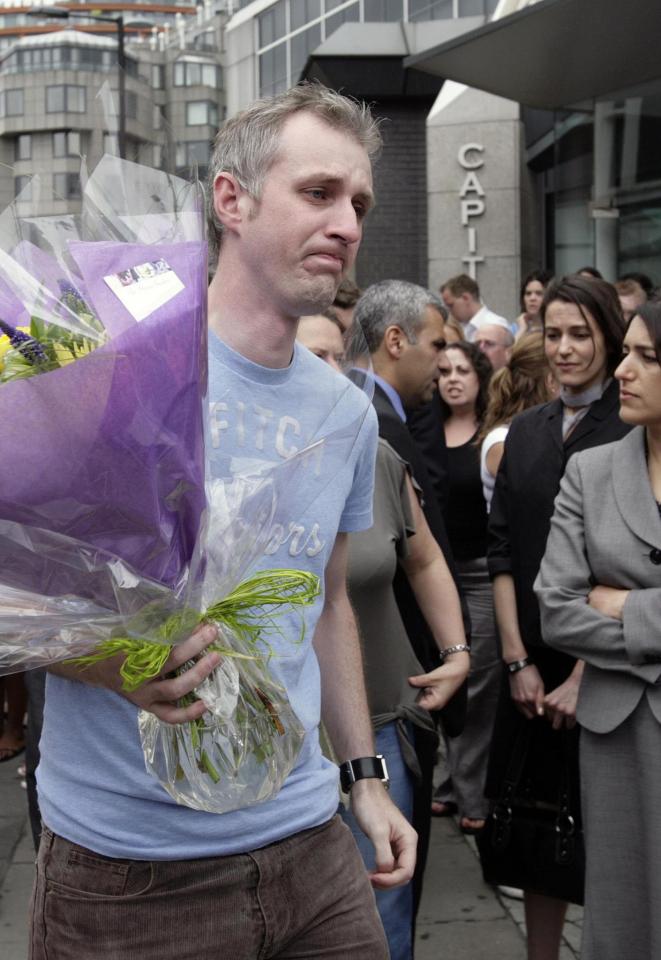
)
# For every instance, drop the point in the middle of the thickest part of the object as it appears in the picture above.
(606, 530)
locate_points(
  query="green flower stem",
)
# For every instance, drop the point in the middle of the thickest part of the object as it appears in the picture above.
(243, 612)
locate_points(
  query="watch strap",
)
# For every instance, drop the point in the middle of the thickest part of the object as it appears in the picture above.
(517, 665)
(361, 769)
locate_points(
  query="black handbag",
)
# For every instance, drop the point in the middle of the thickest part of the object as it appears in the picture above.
(533, 844)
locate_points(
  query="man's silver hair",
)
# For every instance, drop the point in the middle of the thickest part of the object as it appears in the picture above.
(247, 145)
(391, 302)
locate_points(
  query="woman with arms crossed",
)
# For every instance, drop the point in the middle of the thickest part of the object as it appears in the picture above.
(583, 330)
(599, 589)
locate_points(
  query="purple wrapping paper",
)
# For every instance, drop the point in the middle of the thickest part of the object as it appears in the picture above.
(109, 449)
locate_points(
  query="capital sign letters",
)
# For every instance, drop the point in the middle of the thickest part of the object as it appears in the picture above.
(470, 157)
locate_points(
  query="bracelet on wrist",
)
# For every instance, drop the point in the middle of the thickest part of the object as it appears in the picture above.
(457, 648)
(517, 665)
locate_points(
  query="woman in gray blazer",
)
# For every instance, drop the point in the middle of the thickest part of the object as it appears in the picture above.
(599, 590)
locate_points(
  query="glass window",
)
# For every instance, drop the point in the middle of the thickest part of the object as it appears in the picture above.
(193, 74)
(436, 10)
(55, 99)
(301, 46)
(157, 118)
(472, 8)
(273, 69)
(65, 98)
(157, 76)
(200, 112)
(302, 12)
(66, 143)
(23, 185)
(348, 15)
(66, 186)
(272, 24)
(23, 150)
(75, 98)
(331, 4)
(157, 158)
(13, 103)
(111, 144)
(205, 40)
(198, 151)
(211, 75)
(388, 11)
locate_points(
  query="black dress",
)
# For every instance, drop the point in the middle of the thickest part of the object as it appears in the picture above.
(528, 481)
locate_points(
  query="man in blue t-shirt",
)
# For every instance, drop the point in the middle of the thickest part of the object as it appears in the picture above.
(123, 870)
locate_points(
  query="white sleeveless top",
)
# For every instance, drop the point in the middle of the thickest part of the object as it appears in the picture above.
(497, 435)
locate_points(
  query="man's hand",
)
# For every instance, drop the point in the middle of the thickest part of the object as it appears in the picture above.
(608, 600)
(527, 691)
(441, 684)
(394, 839)
(158, 696)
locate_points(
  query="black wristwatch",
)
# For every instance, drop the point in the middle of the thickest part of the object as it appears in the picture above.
(363, 768)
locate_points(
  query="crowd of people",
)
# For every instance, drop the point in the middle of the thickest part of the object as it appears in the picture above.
(513, 402)
(501, 571)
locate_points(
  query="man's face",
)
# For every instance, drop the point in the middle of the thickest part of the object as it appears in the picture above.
(301, 237)
(323, 338)
(416, 371)
(495, 341)
(463, 308)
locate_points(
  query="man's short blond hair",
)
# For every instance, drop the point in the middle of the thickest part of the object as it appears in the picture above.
(247, 145)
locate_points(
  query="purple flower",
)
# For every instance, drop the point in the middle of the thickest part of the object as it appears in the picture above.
(26, 345)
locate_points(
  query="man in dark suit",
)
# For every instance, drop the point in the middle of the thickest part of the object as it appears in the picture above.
(402, 326)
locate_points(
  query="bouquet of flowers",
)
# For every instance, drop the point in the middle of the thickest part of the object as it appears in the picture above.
(113, 535)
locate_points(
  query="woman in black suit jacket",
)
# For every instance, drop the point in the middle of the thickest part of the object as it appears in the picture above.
(583, 331)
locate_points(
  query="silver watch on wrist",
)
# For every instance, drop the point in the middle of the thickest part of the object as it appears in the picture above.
(363, 768)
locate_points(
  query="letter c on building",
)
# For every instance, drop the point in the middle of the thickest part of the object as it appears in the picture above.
(463, 156)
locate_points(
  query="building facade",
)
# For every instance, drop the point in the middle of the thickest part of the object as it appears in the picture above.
(60, 93)
(496, 163)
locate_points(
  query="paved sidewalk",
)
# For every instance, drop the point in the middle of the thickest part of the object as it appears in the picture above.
(460, 917)
(16, 863)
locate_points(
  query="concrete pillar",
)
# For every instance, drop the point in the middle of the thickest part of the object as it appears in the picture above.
(477, 184)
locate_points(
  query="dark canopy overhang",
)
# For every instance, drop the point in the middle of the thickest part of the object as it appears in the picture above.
(555, 53)
(368, 59)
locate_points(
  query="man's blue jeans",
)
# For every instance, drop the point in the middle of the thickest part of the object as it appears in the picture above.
(395, 906)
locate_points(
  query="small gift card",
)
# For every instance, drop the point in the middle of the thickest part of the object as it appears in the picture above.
(145, 288)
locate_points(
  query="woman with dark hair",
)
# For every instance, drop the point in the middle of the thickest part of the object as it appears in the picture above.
(599, 590)
(583, 331)
(465, 373)
(531, 296)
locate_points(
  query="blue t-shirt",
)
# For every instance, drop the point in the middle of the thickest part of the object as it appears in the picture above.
(93, 786)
